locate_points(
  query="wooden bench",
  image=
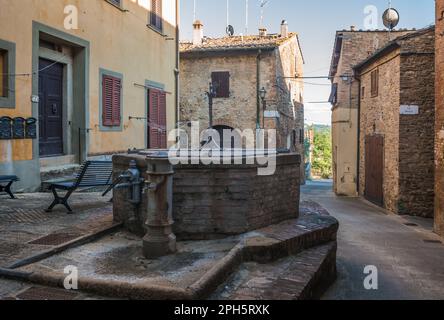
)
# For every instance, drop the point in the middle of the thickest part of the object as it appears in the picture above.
(6, 183)
(92, 174)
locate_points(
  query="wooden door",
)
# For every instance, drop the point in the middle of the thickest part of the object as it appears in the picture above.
(50, 108)
(374, 169)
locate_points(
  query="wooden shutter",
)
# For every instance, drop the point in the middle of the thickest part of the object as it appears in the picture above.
(157, 120)
(111, 101)
(221, 83)
(162, 120)
(153, 119)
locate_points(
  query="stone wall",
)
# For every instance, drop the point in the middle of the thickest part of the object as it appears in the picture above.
(216, 201)
(416, 134)
(406, 77)
(356, 47)
(239, 111)
(439, 141)
(380, 116)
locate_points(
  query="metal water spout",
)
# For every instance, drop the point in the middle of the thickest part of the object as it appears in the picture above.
(159, 239)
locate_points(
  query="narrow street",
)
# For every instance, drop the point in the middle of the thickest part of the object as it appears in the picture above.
(409, 257)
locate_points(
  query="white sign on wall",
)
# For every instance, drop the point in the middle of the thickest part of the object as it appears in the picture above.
(409, 110)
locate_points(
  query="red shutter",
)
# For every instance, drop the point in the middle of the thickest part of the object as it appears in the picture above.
(117, 94)
(163, 120)
(111, 101)
(107, 101)
(157, 119)
(154, 119)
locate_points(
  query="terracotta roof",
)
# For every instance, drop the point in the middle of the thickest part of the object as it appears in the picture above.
(237, 43)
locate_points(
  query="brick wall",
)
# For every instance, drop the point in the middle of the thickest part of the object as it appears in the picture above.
(215, 201)
(439, 145)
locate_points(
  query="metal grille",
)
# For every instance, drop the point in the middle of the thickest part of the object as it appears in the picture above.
(17, 215)
(35, 293)
(55, 239)
(433, 241)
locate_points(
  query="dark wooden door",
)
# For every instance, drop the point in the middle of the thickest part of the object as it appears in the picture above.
(374, 169)
(50, 108)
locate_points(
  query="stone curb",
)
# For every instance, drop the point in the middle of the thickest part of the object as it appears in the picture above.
(259, 249)
(69, 245)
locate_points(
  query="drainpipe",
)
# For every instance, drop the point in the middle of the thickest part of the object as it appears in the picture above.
(258, 86)
(358, 160)
(177, 70)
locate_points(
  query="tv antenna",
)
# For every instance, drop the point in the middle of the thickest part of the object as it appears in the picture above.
(194, 11)
(263, 4)
(246, 17)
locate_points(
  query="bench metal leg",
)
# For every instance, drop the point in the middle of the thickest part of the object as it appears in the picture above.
(60, 200)
(7, 189)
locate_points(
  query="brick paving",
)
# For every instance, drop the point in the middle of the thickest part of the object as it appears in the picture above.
(23, 221)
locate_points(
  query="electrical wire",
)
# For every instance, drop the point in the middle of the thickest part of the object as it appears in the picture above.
(35, 72)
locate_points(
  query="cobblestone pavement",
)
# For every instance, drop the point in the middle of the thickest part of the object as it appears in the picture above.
(408, 255)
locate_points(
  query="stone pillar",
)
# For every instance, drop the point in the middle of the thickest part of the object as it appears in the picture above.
(159, 239)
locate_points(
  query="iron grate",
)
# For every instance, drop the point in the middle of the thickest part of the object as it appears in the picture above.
(409, 224)
(55, 239)
(38, 293)
(17, 215)
(433, 241)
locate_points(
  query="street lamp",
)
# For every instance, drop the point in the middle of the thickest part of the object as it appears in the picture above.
(211, 93)
(263, 95)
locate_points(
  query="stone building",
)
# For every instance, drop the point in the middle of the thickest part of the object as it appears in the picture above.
(439, 115)
(85, 70)
(239, 67)
(351, 47)
(397, 112)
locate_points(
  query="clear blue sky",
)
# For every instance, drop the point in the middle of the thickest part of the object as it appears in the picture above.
(316, 22)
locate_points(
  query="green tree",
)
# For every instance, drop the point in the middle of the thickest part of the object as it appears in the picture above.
(322, 153)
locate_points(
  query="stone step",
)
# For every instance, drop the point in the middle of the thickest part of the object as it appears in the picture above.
(298, 277)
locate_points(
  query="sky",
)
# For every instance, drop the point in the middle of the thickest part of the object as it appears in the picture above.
(316, 22)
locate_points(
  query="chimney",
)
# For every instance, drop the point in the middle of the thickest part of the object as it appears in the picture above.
(197, 33)
(284, 29)
(263, 32)
(353, 28)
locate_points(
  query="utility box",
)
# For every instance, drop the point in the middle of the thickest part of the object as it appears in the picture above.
(18, 128)
(5, 128)
(31, 128)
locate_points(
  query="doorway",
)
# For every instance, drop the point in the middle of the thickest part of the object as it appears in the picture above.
(50, 108)
(374, 169)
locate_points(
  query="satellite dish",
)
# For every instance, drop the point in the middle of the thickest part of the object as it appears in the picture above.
(391, 18)
(230, 30)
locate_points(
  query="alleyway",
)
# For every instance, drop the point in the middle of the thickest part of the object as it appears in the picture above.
(409, 258)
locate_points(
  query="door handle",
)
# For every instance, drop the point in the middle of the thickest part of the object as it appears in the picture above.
(54, 108)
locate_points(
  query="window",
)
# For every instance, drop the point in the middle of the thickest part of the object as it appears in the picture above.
(156, 15)
(221, 83)
(157, 133)
(7, 78)
(375, 83)
(334, 94)
(111, 101)
(117, 3)
(362, 92)
(3, 77)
